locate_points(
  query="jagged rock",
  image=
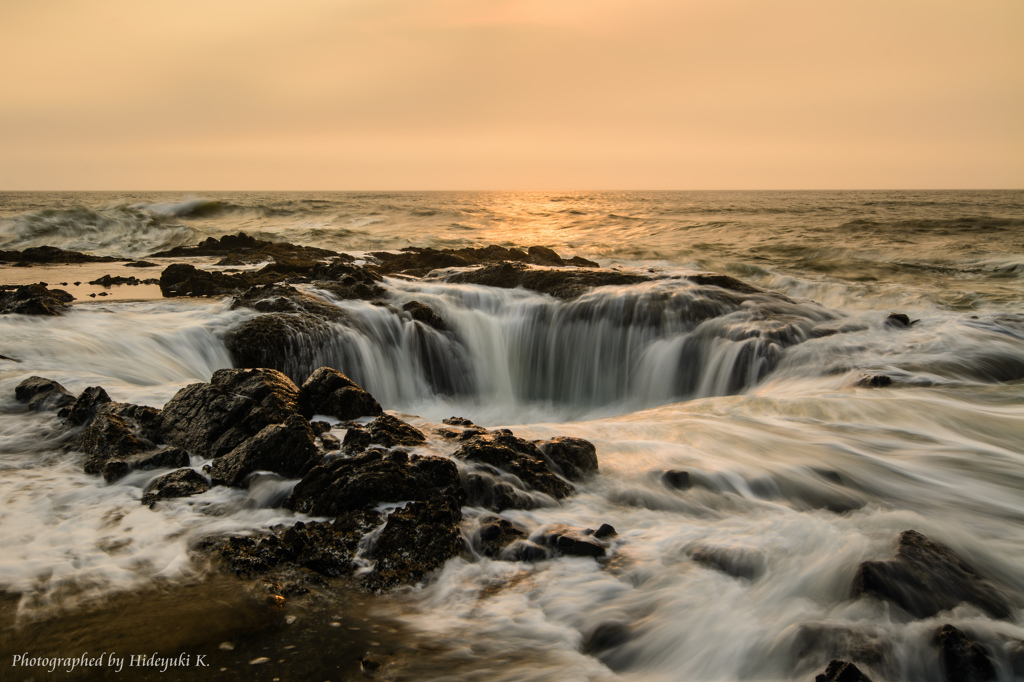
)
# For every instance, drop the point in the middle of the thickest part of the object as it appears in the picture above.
(573, 458)
(168, 458)
(390, 431)
(518, 457)
(560, 283)
(33, 299)
(925, 578)
(111, 280)
(242, 245)
(182, 279)
(330, 442)
(736, 562)
(962, 660)
(457, 421)
(841, 671)
(109, 436)
(356, 440)
(494, 535)
(43, 394)
(287, 449)
(346, 281)
(370, 478)
(570, 541)
(85, 407)
(287, 342)
(416, 540)
(425, 314)
(213, 419)
(418, 262)
(115, 470)
(319, 427)
(180, 483)
(328, 391)
(282, 298)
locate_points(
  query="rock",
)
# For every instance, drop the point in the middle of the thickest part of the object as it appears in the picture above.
(573, 458)
(426, 315)
(607, 636)
(319, 427)
(330, 442)
(33, 299)
(723, 282)
(356, 440)
(560, 283)
(899, 320)
(51, 254)
(213, 419)
(962, 660)
(247, 249)
(515, 456)
(605, 531)
(109, 436)
(733, 561)
(821, 641)
(495, 534)
(85, 407)
(873, 381)
(43, 394)
(390, 431)
(457, 421)
(180, 483)
(925, 578)
(542, 255)
(291, 343)
(371, 478)
(570, 541)
(287, 449)
(281, 298)
(416, 540)
(675, 478)
(345, 281)
(328, 391)
(168, 458)
(115, 470)
(841, 671)
(183, 279)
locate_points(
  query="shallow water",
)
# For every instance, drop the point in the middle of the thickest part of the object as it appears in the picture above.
(801, 474)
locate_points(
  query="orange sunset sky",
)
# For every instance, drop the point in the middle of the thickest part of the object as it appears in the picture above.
(510, 94)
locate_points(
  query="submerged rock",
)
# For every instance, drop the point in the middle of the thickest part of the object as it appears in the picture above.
(287, 449)
(34, 299)
(328, 391)
(573, 458)
(962, 660)
(287, 342)
(43, 394)
(213, 419)
(570, 541)
(925, 578)
(733, 561)
(495, 534)
(282, 298)
(723, 282)
(180, 483)
(372, 478)
(874, 381)
(425, 314)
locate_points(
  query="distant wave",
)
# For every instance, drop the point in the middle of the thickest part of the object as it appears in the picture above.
(190, 208)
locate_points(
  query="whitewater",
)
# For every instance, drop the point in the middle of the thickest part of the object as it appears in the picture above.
(798, 468)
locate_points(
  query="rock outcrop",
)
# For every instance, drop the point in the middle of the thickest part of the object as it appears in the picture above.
(34, 299)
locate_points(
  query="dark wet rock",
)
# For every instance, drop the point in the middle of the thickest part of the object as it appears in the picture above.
(287, 449)
(560, 283)
(607, 636)
(109, 436)
(144, 420)
(368, 479)
(183, 279)
(819, 642)
(677, 479)
(416, 540)
(345, 281)
(606, 530)
(246, 249)
(525, 550)
(287, 342)
(115, 470)
(319, 427)
(426, 315)
(33, 299)
(457, 421)
(496, 534)
(874, 381)
(723, 282)
(962, 660)
(418, 262)
(168, 458)
(573, 458)
(140, 264)
(369, 665)
(327, 391)
(111, 280)
(515, 456)
(733, 561)
(43, 394)
(842, 671)
(570, 541)
(899, 320)
(282, 298)
(52, 255)
(213, 419)
(926, 577)
(180, 483)
(356, 440)
(86, 405)
(391, 431)
(330, 442)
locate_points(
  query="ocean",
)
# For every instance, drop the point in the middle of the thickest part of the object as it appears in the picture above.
(799, 470)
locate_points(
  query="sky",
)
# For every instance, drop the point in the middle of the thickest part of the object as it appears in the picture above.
(511, 94)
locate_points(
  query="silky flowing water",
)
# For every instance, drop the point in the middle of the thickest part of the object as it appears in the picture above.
(800, 472)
